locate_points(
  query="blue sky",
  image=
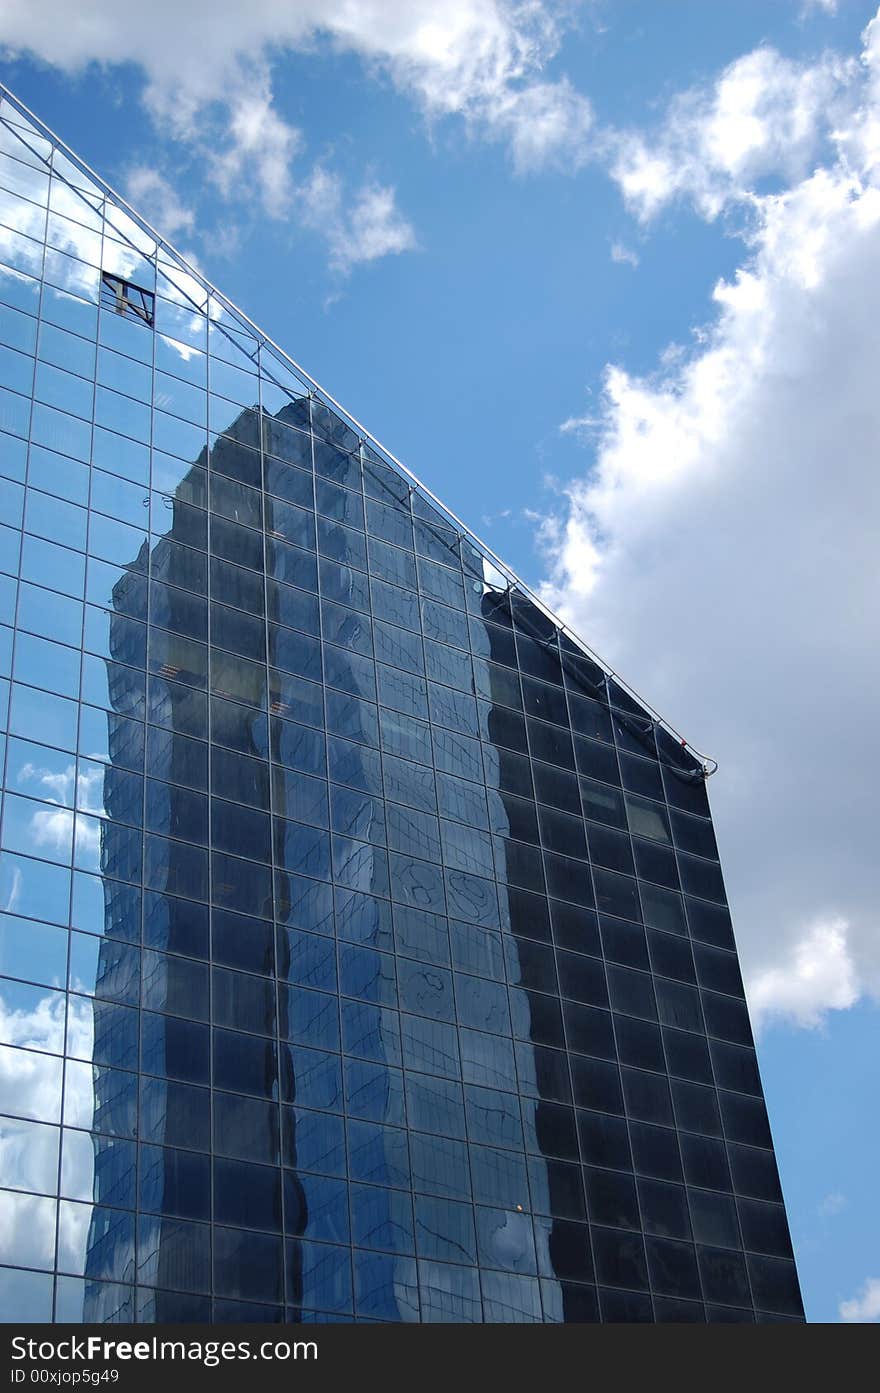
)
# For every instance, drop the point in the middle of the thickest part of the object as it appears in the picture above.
(605, 276)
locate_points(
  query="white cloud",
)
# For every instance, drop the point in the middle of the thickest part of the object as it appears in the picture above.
(260, 148)
(817, 975)
(866, 1306)
(764, 115)
(375, 227)
(481, 60)
(857, 134)
(360, 229)
(546, 124)
(832, 1205)
(721, 551)
(623, 256)
(152, 195)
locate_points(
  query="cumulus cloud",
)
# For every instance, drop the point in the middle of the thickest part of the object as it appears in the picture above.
(764, 115)
(721, 552)
(546, 125)
(358, 229)
(817, 975)
(208, 70)
(866, 1306)
(259, 149)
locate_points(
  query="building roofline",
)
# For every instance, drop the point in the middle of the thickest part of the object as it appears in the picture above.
(707, 764)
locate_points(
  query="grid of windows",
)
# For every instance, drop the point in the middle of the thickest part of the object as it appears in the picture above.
(364, 950)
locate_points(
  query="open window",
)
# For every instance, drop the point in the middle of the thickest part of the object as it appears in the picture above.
(127, 299)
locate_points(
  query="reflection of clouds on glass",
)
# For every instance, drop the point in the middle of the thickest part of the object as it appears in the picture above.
(73, 1236)
(183, 324)
(80, 1027)
(91, 1240)
(79, 1094)
(39, 1028)
(9, 277)
(104, 1303)
(186, 352)
(181, 287)
(74, 249)
(21, 251)
(24, 179)
(127, 229)
(66, 169)
(70, 273)
(28, 1155)
(492, 577)
(68, 236)
(15, 241)
(51, 785)
(27, 1223)
(71, 203)
(12, 898)
(25, 1296)
(71, 246)
(78, 1166)
(508, 1239)
(20, 128)
(30, 1084)
(124, 261)
(90, 789)
(90, 841)
(51, 829)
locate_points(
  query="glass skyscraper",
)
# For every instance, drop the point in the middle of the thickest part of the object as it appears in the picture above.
(364, 946)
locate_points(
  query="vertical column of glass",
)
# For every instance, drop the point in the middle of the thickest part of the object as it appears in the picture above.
(174, 1196)
(660, 1156)
(460, 1227)
(611, 1197)
(304, 1256)
(111, 799)
(520, 1242)
(316, 1217)
(383, 1210)
(357, 864)
(286, 1199)
(498, 1126)
(246, 1170)
(32, 1093)
(558, 1215)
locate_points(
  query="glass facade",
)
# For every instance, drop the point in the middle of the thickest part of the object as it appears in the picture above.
(364, 946)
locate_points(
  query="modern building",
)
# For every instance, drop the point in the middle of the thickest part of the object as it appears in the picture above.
(364, 944)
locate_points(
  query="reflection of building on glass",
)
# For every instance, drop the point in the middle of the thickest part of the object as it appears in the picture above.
(173, 924)
(401, 983)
